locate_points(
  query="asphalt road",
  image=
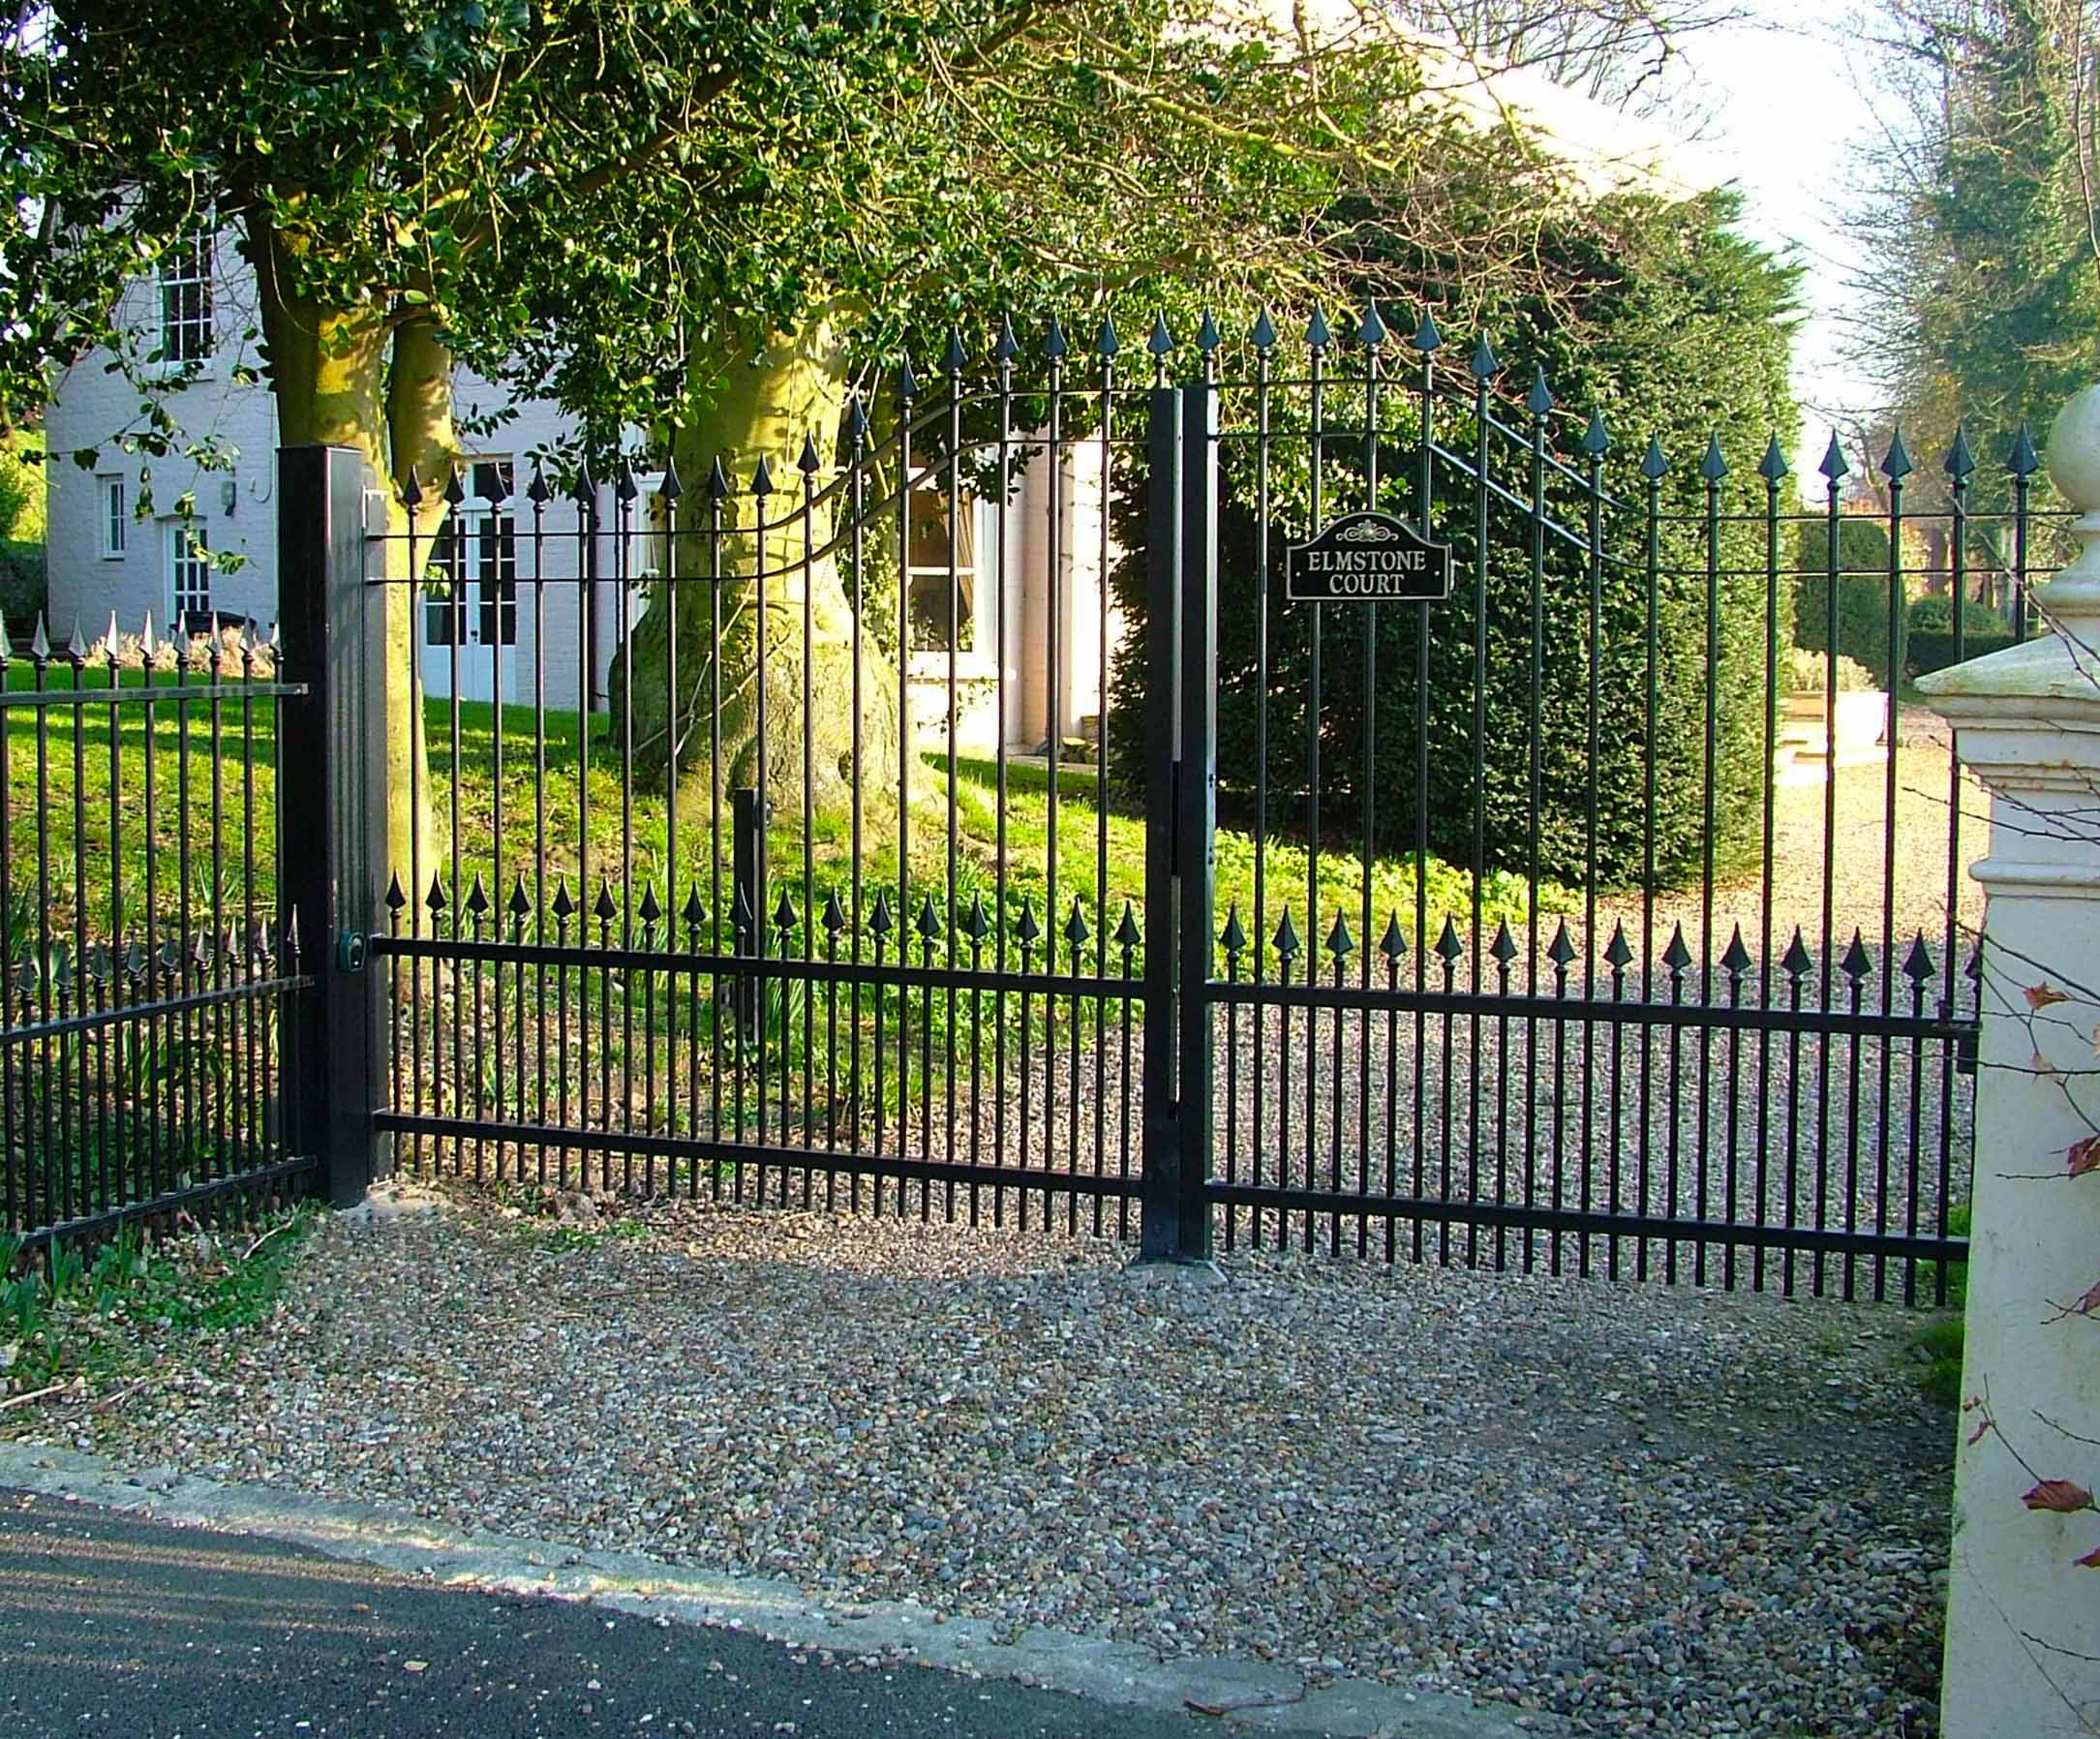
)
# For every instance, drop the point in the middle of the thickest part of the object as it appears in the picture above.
(113, 1625)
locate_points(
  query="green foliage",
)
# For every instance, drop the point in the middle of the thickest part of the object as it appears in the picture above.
(1928, 653)
(1976, 214)
(21, 488)
(1942, 1341)
(623, 202)
(1862, 592)
(81, 1314)
(1672, 328)
(24, 588)
(1933, 614)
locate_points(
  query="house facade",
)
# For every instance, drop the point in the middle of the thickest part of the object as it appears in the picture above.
(170, 540)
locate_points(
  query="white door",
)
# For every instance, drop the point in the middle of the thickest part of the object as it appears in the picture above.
(470, 593)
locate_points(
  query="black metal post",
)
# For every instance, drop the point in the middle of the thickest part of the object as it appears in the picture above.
(1160, 1186)
(332, 812)
(1196, 800)
(748, 911)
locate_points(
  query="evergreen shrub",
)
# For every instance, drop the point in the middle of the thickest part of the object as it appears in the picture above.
(1863, 595)
(1677, 332)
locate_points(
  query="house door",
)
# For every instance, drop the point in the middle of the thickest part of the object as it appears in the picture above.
(470, 593)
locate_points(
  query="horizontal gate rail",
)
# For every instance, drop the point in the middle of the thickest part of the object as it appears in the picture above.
(130, 1013)
(1593, 1011)
(747, 966)
(760, 1155)
(255, 1180)
(1592, 1223)
(99, 696)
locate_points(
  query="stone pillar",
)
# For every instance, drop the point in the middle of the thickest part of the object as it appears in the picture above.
(2022, 1645)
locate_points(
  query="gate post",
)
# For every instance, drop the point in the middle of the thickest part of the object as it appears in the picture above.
(2022, 1634)
(1195, 793)
(1180, 612)
(331, 811)
(1159, 1184)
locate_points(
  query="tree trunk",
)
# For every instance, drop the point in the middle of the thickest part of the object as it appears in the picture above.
(362, 378)
(796, 713)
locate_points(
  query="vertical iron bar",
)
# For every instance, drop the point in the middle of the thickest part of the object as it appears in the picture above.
(1159, 1229)
(1314, 615)
(1713, 471)
(1483, 369)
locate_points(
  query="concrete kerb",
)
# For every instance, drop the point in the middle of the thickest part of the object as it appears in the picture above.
(1254, 1695)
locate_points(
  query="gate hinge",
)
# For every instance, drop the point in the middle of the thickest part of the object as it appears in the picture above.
(1964, 1034)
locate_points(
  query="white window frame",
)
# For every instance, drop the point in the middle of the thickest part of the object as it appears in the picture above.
(470, 555)
(183, 285)
(648, 536)
(982, 577)
(112, 513)
(189, 556)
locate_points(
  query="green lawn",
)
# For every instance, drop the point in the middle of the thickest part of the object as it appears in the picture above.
(211, 769)
(78, 780)
(206, 855)
(545, 799)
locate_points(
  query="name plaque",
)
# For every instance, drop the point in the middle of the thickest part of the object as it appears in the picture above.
(1367, 558)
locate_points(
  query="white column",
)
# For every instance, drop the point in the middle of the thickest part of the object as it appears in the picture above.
(2023, 1652)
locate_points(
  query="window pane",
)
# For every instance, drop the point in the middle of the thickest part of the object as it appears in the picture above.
(930, 614)
(186, 305)
(190, 572)
(498, 615)
(447, 560)
(496, 554)
(929, 526)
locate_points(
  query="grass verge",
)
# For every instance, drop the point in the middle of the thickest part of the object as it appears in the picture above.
(1939, 1342)
(80, 1323)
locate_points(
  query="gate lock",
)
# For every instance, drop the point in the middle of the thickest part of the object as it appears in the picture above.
(350, 951)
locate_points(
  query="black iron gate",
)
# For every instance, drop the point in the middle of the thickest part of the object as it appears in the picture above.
(1040, 811)
(1754, 1068)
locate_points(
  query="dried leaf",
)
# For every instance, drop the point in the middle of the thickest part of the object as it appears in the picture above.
(2042, 1069)
(2091, 1560)
(2040, 996)
(2096, 1041)
(2084, 1155)
(2062, 1497)
(2088, 1301)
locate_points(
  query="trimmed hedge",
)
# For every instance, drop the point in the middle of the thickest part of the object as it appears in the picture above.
(1497, 767)
(1682, 331)
(22, 582)
(1933, 614)
(1863, 595)
(1929, 651)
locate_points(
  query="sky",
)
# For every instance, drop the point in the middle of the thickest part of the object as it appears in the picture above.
(1787, 117)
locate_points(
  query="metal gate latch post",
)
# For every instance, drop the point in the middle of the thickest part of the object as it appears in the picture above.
(350, 951)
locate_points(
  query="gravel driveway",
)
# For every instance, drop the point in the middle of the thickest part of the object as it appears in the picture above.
(1624, 1511)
